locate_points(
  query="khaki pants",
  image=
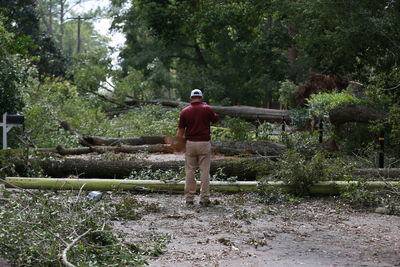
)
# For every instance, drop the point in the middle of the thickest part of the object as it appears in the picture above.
(198, 155)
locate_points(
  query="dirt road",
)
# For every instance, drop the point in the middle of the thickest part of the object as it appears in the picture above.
(239, 231)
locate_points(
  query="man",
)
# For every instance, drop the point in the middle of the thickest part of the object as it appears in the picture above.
(194, 124)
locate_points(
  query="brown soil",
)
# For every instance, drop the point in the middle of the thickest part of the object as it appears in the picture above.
(239, 231)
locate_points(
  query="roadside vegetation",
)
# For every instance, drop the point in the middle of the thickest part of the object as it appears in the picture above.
(237, 52)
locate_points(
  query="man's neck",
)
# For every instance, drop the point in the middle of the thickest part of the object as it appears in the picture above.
(193, 101)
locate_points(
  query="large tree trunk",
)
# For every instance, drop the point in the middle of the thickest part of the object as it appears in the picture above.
(243, 112)
(264, 148)
(341, 115)
(378, 174)
(134, 141)
(122, 169)
(102, 149)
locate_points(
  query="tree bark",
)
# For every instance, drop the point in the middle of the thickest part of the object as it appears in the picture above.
(264, 148)
(134, 141)
(102, 149)
(382, 174)
(341, 115)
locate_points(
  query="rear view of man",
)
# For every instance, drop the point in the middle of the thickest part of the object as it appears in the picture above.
(194, 124)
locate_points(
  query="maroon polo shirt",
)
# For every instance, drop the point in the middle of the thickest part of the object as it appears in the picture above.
(196, 119)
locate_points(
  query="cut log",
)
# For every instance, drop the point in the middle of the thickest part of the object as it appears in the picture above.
(341, 115)
(102, 149)
(321, 188)
(243, 112)
(122, 169)
(264, 148)
(382, 174)
(142, 140)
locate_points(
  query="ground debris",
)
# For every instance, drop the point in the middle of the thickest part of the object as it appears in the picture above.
(314, 232)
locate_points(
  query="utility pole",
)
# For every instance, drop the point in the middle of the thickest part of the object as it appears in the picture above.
(78, 38)
(78, 47)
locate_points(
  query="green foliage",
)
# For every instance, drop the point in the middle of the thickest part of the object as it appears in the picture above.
(287, 91)
(301, 118)
(220, 175)
(134, 85)
(162, 175)
(358, 195)
(12, 74)
(305, 143)
(91, 70)
(320, 104)
(130, 208)
(238, 128)
(301, 172)
(217, 46)
(21, 19)
(394, 121)
(58, 220)
(51, 102)
(19, 162)
(271, 195)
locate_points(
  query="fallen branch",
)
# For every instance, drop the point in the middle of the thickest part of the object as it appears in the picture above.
(14, 186)
(352, 113)
(320, 188)
(69, 246)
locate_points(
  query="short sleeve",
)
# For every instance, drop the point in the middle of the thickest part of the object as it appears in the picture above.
(182, 121)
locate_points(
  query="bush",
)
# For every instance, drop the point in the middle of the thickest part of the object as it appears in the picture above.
(271, 195)
(18, 162)
(320, 104)
(358, 195)
(296, 170)
(287, 91)
(238, 129)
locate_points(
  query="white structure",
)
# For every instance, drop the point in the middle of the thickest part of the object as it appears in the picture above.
(10, 121)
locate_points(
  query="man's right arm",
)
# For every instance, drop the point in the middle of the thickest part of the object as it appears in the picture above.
(214, 118)
(181, 132)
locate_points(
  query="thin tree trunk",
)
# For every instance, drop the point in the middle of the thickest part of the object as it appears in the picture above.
(320, 188)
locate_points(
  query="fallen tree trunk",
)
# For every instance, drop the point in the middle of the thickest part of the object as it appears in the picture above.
(135, 141)
(243, 112)
(385, 173)
(341, 115)
(320, 188)
(264, 148)
(243, 168)
(122, 169)
(102, 149)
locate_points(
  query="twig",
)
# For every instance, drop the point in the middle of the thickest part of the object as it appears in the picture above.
(80, 191)
(17, 187)
(70, 245)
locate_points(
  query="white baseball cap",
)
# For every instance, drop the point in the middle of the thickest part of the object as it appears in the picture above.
(196, 92)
